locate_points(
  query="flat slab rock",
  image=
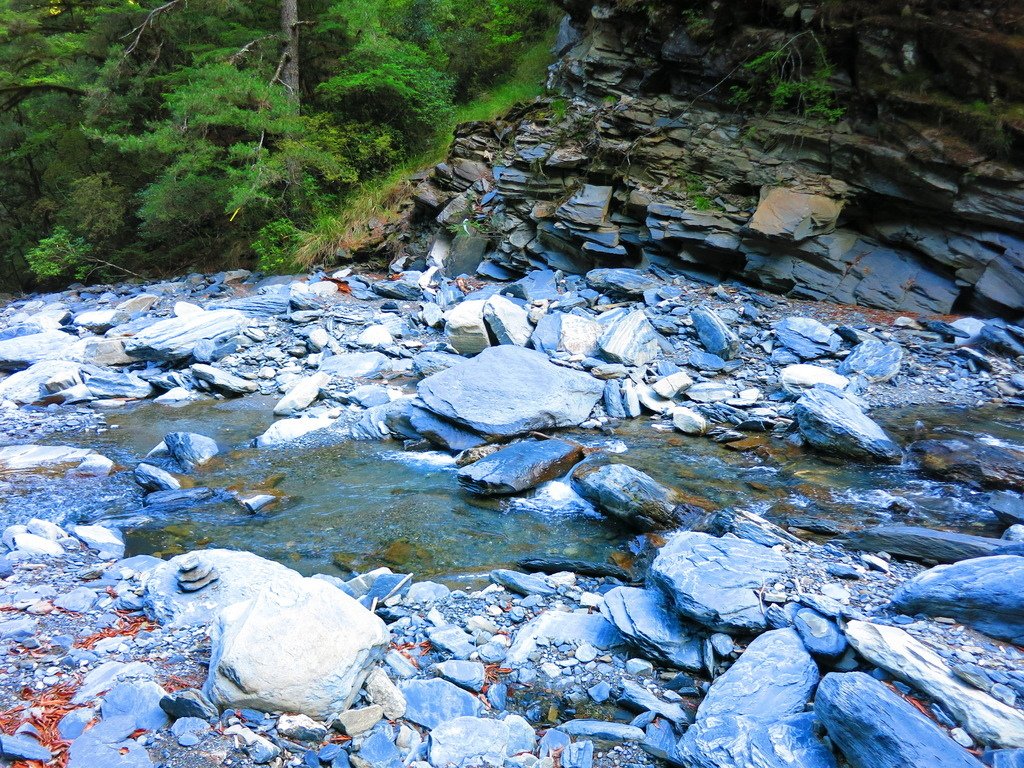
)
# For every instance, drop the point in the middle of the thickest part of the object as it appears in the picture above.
(507, 391)
(520, 466)
(921, 543)
(715, 581)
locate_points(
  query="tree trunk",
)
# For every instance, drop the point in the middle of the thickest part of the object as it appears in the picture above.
(290, 57)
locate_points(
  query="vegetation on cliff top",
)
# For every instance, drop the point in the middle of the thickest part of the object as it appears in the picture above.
(167, 135)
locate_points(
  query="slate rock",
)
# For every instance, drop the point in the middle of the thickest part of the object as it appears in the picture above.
(807, 337)
(462, 739)
(733, 741)
(832, 423)
(23, 351)
(176, 337)
(822, 638)
(520, 466)
(715, 582)
(223, 381)
(970, 461)
(138, 700)
(354, 365)
(646, 619)
(986, 593)
(107, 744)
(507, 391)
(153, 478)
(189, 703)
(430, 703)
(626, 495)
(521, 583)
(714, 334)
(465, 674)
(875, 728)
(621, 283)
(630, 340)
(874, 360)
(189, 449)
(23, 748)
(566, 332)
(923, 544)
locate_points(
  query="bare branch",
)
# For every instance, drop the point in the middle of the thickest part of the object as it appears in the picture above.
(149, 21)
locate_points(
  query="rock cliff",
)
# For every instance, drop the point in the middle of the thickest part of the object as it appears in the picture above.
(865, 153)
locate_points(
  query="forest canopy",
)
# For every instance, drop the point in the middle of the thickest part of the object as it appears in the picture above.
(153, 136)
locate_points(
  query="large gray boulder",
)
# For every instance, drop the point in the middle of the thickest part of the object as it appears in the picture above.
(648, 621)
(297, 646)
(988, 720)
(716, 582)
(875, 728)
(874, 360)
(39, 380)
(621, 283)
(806, 337)
(117, 384)
(626, 494)
(986, 593)
(240, 577)
(714, 334)
(507, 391)
(755, 698)
(189, 449)
(23, 351)
(176, 337)
(520, 466)
(223, 381)
(567, 332)
(631, 340)
(832, 423)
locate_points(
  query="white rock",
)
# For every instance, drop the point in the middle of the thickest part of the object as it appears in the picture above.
(31, 544)
(375, 336)
(95, 465)
(672, 385)
(301, 395)
(298, 646)
(688, 421)
(286, 430)
(15, 457)
(507, 321)
(797, 378)
(465, 327)
(35, 382)
(456, 741)
(102, 539)
(988, 720)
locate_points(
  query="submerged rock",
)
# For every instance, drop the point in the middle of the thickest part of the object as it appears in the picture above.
(299, 645)
(507, 391)
(986, 593)
(520, 466)
(626, 494)
(189, 449)
(971, 461)
(832, 423)
(875, 728)
(715, 582)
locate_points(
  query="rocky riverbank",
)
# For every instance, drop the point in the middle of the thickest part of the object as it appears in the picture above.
(739, 642)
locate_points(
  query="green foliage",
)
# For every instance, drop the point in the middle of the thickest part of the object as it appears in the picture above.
(60, 255)
(155, 136)
(783, 81)
(559, 108)
(275, 246)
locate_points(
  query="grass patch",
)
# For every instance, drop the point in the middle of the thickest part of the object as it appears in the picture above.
(372, 205)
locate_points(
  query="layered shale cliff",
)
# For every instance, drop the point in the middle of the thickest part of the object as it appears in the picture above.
(865, 153)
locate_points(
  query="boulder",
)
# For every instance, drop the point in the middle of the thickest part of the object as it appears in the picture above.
(354, 365)
(572, 334)
(806, 337)
(921, 543)
(285, 431)
(113, 384)
(716, 582)
(507, 391)
(240, 577)
(649, 623)
(223, 381)
(507, 321)
(100, 351)
(832, 423)
(874, 360)
(109, 542)
(299, 645)
(688, 421)
(23, 351)
(875, 728)
(587, 207)
(771, 682)
(176, 337)
(301, 395)
(621, 283)
(970, 461)
(988, 720)
(626, 495)
(465, 327)
(189, 449)
(796, 379)
(520, 466)
(34, 383)
(462, 739)
(430, 703)
(714, 334)
(734, 741)
(987, 593)
(152, 478)
(630, 340)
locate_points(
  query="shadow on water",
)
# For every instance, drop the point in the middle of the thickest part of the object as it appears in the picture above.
(347, 505)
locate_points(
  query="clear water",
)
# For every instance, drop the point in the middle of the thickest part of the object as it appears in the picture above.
(354, 505)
